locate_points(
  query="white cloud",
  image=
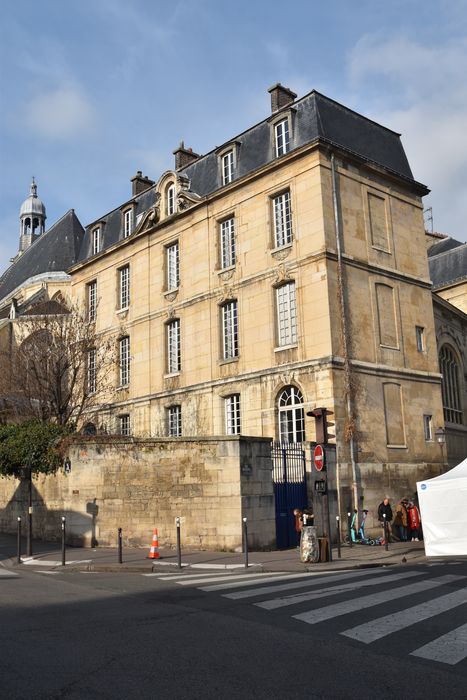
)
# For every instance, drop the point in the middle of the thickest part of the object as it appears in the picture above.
(60, 113)
(421, 92)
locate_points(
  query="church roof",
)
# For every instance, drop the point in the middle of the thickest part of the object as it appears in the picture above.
(315, 118)
(54, 251)
(448, 262)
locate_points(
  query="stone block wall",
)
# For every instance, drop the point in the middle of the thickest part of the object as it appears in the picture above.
(139, 484)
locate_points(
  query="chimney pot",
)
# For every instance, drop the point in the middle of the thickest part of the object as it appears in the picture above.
(184, 156)
(280, 97)
(140, 183)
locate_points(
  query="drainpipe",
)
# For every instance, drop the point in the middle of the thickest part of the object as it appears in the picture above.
(344, 328)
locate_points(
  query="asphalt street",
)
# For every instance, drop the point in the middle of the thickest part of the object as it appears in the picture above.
(397, 632)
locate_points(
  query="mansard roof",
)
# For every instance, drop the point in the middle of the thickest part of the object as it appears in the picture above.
(315, 118)
(53, 251)
(448, 262)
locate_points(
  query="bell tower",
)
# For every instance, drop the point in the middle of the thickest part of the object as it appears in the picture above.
(32, 219)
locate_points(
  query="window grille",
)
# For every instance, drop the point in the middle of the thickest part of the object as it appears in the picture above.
(92, 371)
(450, 386)
(170, 200)
(124, 273)
(127, 223)
(232, 414)
(124, 424)
(286, 314)
(174, 421)
(291, 415)
(227, 167)
(282, 137)
(124, 357)
(92, 300)
(173, 347)
(227, 231)
(173, 266)
(96, 241)
(230, 330)
(282, 220)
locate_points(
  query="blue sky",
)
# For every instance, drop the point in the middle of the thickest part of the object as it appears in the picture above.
(92, 91)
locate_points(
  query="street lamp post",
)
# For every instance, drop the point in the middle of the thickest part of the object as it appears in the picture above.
(440, 435)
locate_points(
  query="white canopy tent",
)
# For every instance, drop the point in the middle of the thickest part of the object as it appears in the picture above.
(443, 509)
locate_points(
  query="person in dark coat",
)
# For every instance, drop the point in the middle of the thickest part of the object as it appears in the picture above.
(399, 524)
(384, 509)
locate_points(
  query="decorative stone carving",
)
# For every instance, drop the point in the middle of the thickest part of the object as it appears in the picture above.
(170, 313)
(281, 254)
(171, 296)
(226, 275)
(282, 274)
(226, 294)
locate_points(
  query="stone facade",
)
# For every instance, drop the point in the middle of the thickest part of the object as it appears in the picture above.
(141, 484)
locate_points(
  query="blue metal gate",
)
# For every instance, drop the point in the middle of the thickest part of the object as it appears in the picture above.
(289, 490)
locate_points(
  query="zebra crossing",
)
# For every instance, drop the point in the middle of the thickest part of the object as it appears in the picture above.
(334, 596)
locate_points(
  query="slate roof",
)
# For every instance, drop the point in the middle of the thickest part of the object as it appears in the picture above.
(315, 117)
(448, 262)
(54, 251)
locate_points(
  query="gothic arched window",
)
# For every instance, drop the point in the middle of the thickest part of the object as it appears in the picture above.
(449, 367)
(291, 415)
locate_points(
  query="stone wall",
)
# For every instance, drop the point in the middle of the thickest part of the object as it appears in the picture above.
(139, 484)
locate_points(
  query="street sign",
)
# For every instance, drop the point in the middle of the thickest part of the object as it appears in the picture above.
(318, 457)
(320, 486)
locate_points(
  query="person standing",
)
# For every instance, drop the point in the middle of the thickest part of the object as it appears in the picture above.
(399, 525)
(385, 514)
(414, 522)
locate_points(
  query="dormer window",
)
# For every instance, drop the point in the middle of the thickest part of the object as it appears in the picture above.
(96, 240)
(127, 223)
(227, 167)
(282, 137)
(170, 199)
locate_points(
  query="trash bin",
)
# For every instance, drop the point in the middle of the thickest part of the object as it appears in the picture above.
(309, 549)
(323, 543)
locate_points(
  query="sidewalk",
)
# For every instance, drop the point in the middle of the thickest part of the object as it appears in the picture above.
(48, 555)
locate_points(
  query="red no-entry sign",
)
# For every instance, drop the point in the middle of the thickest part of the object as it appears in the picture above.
(318, 457)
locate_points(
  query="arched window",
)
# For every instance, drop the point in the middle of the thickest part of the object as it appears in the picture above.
(450, 385)
(291, 415)
(170, 199)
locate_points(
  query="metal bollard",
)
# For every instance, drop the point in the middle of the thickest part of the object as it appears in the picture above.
(349, 527)
(18, 542)
(245, 541)
(338, 524)
(179, 545)
(63, 539)
(120, 549)
(385, 525)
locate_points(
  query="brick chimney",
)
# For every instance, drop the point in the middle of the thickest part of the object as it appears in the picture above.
(140, 183)
(280, 97)
(184, 156)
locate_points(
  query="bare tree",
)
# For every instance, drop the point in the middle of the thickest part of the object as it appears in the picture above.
(57, 367)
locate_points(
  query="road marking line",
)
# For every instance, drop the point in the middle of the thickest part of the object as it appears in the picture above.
(330, 611)
(376, 629)
(185, 577)
(297, 584)
(50, 573)
(30, 561)
(238, 579)
(273, 578)
(5, 573)
(335, 590)
(448, 649)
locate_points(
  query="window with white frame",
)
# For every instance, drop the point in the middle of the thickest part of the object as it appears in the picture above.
(92, 300)
(420, 336)
(232, 414)
(170, 199)
(124, 287)
(124, 424)
(229, 330)
(173, 266)
(227, 162)
(96, 240)
(282, 137)
(282, 220)
(173, 346)
(450, 385)
(92, 371)
(291, 415)
(227, 236)
(124, 360)
(286, 314)
(174, 421)
(127, 223)
(428, 427)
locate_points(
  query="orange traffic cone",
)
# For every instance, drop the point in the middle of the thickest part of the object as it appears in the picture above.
(154, 551)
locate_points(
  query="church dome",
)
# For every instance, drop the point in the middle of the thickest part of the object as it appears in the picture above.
(33, 205)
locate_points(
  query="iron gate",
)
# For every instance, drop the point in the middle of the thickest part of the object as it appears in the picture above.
(289, 489)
